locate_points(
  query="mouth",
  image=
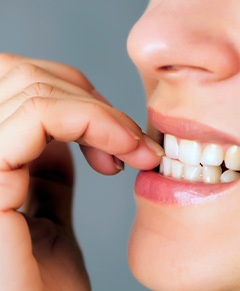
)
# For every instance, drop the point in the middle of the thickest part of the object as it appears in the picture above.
(199, 164)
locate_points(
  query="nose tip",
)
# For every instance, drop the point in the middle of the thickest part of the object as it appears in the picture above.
(167, 47)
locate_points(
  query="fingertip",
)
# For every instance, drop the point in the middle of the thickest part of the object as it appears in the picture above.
(153, 145)
(146, 156)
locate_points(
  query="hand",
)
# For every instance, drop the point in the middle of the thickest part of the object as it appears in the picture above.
(44, 105)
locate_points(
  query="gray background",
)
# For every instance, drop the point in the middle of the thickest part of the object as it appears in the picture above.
(90, 35)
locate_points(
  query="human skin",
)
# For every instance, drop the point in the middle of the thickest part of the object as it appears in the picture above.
(43, 105)
(188, 54)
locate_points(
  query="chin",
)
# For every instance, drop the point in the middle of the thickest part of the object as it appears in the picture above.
(186, 248)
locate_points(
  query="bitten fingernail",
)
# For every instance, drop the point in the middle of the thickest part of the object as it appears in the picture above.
(118, 163)
(154, 146)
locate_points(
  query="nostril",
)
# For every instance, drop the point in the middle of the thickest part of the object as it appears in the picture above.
(185, 72)
(170, 68)
(176, 68)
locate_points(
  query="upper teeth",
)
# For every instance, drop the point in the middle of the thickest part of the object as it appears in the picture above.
(190, 160)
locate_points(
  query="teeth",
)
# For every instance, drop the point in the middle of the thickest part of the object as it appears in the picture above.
(171, 146)
(211, 174)
(177, 169)
(166, 166)
(232, 158)
(189, 161)
(192, 173)
(190, 152)
(229, 176)
(212, 155)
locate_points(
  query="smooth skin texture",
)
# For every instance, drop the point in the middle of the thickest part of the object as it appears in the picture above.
(188, 54)
(44, 105)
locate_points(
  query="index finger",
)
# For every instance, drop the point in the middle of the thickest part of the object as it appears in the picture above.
(28, 129)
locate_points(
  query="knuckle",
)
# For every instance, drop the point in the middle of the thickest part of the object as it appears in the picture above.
(74, 72)
(27, 70)
(39, 89)
(35, 105)
(30, 105)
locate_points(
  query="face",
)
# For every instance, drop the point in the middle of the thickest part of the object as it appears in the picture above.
(186, 234)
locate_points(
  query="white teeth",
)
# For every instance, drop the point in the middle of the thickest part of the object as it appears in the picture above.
(187, 160)
(171, 146)
(212, 155)
(177, 169)
(166, 166)
(232, 158)
(229, 176)
(190, 152)
(192, 173)
(211, 174)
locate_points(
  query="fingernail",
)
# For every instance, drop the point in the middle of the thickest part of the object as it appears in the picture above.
(118, 163)
(154, 146)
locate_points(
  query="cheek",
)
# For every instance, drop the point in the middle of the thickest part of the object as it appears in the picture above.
(195, 248)
(150, 84)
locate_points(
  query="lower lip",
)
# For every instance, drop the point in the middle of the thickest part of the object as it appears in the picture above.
(164, 190)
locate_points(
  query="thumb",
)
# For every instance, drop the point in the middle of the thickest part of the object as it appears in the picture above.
(17, 261)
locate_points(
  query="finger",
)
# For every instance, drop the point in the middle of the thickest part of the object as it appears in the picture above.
(47, 90)
(30, 80)
(62, 71)
(73, 119)
(17, 260)
(12, 194)
(39, 89)
(15, 241)
(100, 97)
(102, 162)
(144, 158)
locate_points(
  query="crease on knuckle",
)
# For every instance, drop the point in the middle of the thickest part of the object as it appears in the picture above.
(31, 105)
(39, 89)
(36, 105)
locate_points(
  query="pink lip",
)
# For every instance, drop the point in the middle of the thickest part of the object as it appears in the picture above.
(189, 129)
(164, 190)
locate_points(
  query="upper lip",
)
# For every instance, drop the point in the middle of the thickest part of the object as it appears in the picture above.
(189, 129)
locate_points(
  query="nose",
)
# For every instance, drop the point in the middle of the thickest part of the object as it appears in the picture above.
(175, 40)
